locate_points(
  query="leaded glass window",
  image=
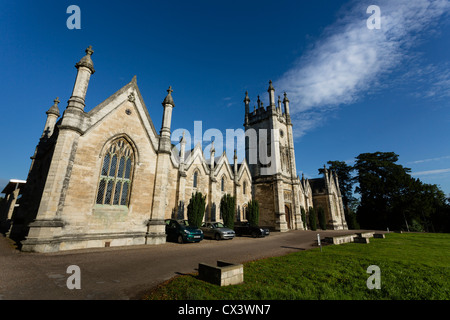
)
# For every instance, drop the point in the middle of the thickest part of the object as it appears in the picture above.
(115, 176)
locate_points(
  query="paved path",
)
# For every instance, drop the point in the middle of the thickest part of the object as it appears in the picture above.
(127, 272)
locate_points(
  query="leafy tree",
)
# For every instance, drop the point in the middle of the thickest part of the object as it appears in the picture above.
(382, 186)
(322, 218)
(196, 209)
(312, 219)
(389, 196)
(253, 212)
(350, 217)
(228, 210)
(303, 214)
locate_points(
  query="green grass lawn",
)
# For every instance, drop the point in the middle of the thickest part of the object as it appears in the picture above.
(413, 266)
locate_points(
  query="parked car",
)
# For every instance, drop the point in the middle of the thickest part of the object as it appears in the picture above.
(245, 229)
(217, 230)
(180, 231)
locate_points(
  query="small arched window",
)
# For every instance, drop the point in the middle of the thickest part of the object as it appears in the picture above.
(116, 174)
(222, 187)
(244, 187)
(195, 179)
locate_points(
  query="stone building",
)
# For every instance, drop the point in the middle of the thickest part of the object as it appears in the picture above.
(280, 192)
(106, 177)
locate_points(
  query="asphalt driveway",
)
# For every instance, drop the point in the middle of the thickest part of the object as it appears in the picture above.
(118, 273)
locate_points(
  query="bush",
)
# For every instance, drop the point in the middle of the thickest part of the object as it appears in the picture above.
(228, 210)
(196, 209)
(303, 213)
(322, 218)
(253, 212)
(312, 219)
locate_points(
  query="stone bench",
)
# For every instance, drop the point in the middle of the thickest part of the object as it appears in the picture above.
(361, 240)
(224, 274)
(379, 235)
(365, 234)
(340, 239)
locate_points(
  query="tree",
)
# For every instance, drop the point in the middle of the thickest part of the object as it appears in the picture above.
(303, 214)
(312, 219)
(253, 212)
(228, 210)
(322, 218)
(196, 209)
(382, 186)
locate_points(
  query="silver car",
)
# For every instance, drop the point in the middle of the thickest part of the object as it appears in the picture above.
(217, 230)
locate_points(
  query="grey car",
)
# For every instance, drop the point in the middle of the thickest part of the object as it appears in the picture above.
(217, 230)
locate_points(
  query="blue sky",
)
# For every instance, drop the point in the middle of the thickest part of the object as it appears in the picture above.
(352, 90)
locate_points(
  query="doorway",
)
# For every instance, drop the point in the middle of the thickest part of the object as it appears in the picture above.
(287, 211)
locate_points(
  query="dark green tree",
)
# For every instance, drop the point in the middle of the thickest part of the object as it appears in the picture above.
(228, 210)
(322, 219)
(196, 209)
(303, 214)
(312, 219)
(383, 185)
(253, 212)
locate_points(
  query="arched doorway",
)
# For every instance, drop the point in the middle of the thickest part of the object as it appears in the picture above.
(287, 212)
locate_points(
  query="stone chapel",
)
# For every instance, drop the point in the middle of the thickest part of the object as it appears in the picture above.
(106, 177)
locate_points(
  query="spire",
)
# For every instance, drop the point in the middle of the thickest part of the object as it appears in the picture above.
(212, 151)
(258, 102)
(168, 99)
(182, 149)
(165, 144)
(286, 108)
(247, 99)
(54, 108)
(86, 61)
(271, 91)
(85, 69)
(247, 106)
(235, 164)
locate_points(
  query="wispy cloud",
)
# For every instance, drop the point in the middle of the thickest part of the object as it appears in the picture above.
(428, 160)
(430, 172)
(349, 60)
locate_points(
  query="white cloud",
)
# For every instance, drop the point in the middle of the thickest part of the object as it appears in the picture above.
(430, 172)
(350, 60)
(428, 160)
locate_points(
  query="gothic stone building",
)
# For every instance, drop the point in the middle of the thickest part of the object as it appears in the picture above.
(107, 178)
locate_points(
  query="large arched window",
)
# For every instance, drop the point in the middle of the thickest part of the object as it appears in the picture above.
(115, 177)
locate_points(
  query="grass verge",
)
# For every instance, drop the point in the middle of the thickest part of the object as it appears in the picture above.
(413, 266)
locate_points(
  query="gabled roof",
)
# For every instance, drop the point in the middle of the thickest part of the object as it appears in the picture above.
(129, 92)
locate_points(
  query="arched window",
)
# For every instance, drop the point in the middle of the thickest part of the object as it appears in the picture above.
(222, 187)
(116, 174)
(195, 179)
(244, 187)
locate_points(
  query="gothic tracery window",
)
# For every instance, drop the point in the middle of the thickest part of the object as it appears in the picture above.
(116, 174)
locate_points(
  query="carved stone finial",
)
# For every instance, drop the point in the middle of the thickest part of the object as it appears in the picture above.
(89, 50)
(168, 99)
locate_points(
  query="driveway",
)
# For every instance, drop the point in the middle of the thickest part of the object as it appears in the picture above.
(118, 273)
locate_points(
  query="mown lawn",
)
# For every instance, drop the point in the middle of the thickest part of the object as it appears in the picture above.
(413, 266)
